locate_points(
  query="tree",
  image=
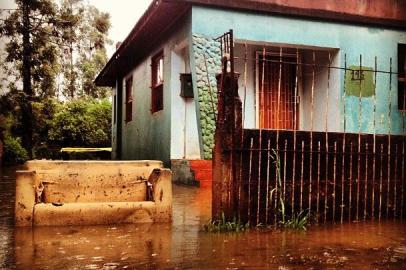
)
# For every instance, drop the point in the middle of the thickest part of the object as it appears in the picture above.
(46, 42)
(30, 48)
(84, 53)
(93, 34)
(71, 15)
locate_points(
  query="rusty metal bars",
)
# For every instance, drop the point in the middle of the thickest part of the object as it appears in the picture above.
(370, 163)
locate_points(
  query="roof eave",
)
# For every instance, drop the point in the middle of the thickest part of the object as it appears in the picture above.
(315, 9)
(102, 78)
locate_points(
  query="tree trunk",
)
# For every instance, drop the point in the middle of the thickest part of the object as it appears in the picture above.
(27, 87)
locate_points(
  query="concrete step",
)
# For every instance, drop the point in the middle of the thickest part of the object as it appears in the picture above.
(202, 175)
(202, 170)
(201, 164)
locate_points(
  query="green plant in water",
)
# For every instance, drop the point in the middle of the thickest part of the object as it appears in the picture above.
(222, 225)
(297, 222)
(277, 162)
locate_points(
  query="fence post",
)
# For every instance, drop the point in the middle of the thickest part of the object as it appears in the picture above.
(227, 138)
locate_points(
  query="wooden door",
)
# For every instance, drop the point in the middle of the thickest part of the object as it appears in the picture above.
(277, 92)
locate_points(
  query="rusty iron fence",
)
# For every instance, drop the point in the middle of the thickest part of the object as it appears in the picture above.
(332, 175)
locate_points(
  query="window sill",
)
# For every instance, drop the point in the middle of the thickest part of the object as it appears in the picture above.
(158, 85)
(157, 113)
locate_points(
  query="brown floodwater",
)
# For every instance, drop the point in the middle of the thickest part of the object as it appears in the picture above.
(184, 245)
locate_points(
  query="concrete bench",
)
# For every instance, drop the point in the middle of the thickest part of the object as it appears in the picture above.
(51, 193)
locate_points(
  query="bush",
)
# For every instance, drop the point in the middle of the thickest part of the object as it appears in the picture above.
(82, 123)
(74, 123)
(14, 153)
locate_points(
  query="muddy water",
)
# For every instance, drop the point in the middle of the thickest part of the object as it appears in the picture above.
(183, 245)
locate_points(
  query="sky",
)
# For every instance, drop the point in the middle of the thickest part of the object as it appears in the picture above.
(123, 14)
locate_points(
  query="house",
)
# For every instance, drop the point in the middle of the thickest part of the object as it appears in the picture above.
(163, 74)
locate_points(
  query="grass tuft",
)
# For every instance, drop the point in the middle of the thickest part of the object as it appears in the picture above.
(222, 225)
(297, 222)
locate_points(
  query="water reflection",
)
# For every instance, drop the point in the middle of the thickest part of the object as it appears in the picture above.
(92, 247)
(183, 245)
(356, 246)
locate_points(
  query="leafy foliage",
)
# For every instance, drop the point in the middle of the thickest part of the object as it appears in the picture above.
(84, 53)
(67, 41)
(14, 153)
(55, 47)
(82, 122)
(42, 47)
(70, 17)
(10, 113)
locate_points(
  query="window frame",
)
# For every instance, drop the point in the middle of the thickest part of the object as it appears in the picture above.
(157, 82)
(129, 99)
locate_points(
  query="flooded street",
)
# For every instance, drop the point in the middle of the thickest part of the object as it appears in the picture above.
(183, 244)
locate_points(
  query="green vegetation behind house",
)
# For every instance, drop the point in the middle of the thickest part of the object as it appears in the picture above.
(79, 122)
(53, 49)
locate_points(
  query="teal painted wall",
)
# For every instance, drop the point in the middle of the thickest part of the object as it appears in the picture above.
(351, 40)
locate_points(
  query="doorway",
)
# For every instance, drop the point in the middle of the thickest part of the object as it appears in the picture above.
(277, 90)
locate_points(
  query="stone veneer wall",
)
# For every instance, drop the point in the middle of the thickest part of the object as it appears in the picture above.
(207, 50)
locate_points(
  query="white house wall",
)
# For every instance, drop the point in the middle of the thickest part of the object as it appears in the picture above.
(322, 92)
(184, 129)
(157, 136)
(246, 82)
